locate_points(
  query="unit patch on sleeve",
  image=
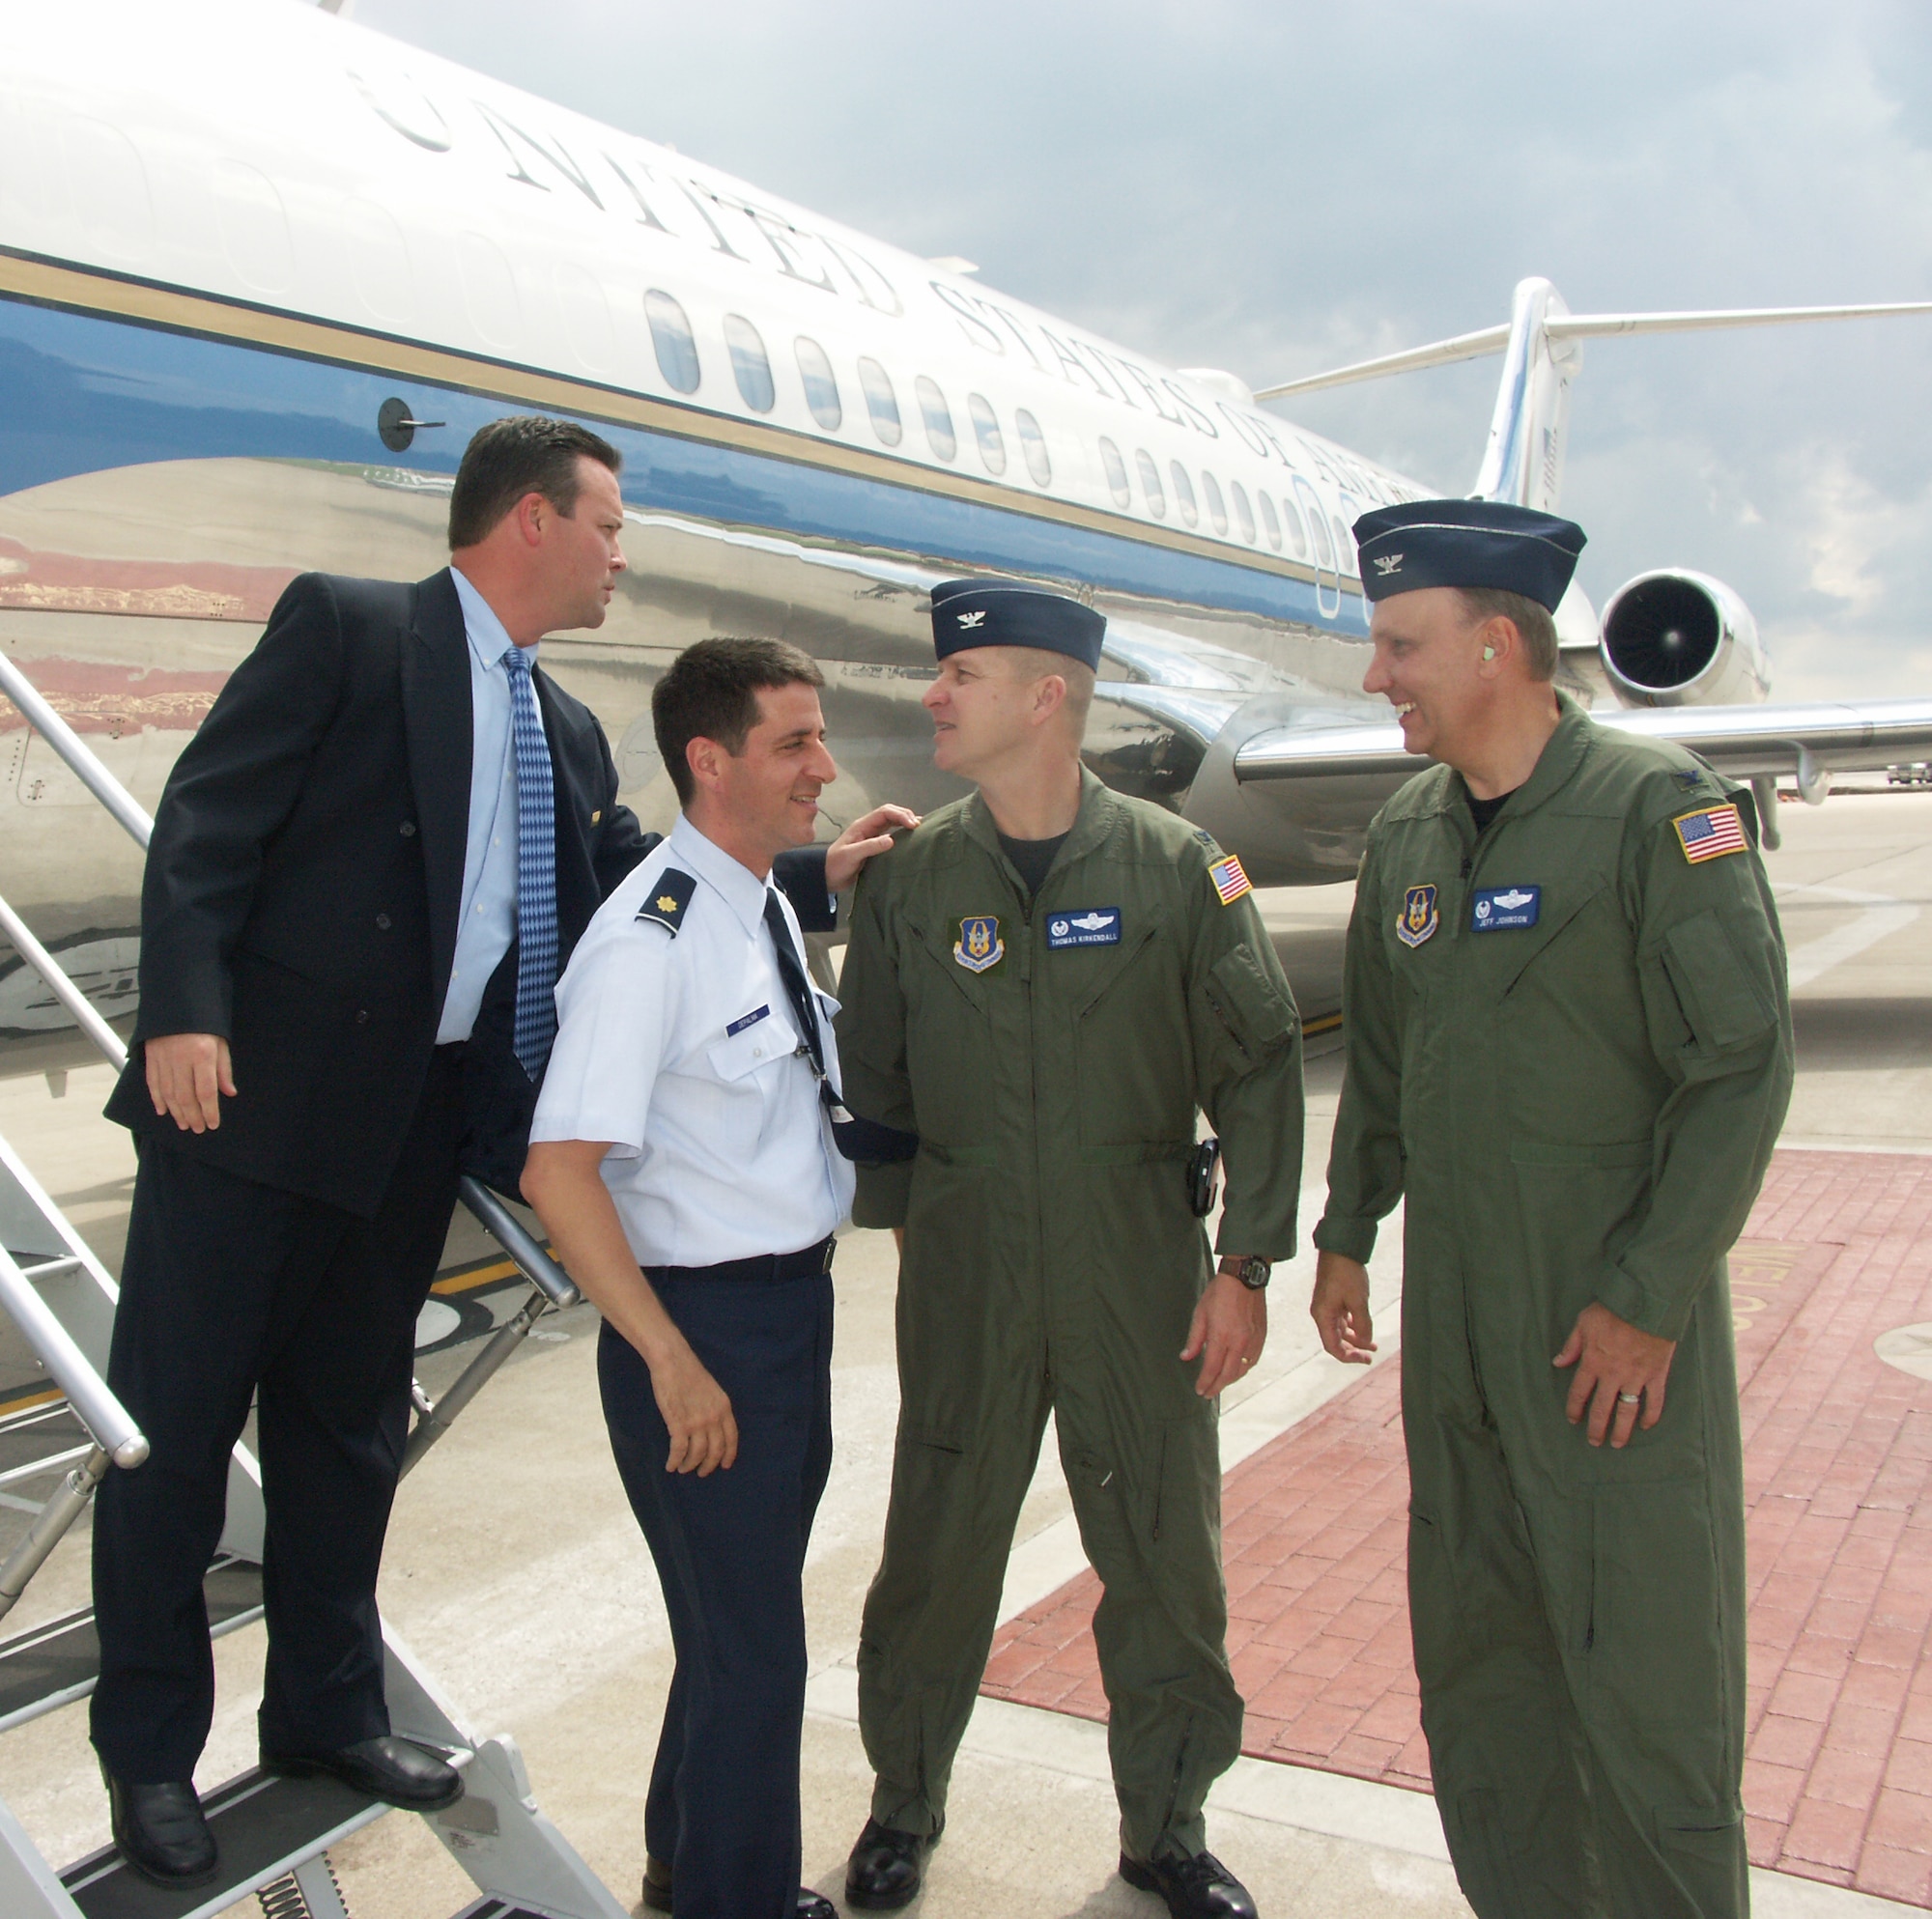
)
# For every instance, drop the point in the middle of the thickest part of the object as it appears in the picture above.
(1504, 909)
(1230, 882)
(1086, 926)
(1710, 833)
(979, 943)
(667, 899)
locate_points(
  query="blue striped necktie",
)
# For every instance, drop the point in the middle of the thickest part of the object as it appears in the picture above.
(536, 871)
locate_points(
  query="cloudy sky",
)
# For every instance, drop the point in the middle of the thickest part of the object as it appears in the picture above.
(1277, 187)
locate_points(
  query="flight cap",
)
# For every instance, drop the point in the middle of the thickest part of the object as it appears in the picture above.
(1009, 612)
(1420, 543)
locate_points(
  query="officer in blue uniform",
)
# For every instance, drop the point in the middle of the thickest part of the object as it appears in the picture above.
(686, 1164)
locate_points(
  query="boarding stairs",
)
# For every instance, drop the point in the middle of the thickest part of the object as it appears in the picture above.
(273, 1833)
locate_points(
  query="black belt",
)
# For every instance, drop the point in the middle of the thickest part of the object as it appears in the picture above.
(806, 1265)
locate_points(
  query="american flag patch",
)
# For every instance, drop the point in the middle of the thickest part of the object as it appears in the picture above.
(1230, 882)
(1707, 833)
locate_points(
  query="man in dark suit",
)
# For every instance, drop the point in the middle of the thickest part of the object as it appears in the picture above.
(367, 870)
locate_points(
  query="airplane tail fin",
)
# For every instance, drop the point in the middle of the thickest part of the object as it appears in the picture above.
(1523, 463)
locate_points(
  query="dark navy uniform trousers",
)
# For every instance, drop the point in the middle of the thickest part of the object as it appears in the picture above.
(229, 1285)
(729, 1549)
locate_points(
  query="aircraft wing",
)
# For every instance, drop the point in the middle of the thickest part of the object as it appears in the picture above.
(1741, 740)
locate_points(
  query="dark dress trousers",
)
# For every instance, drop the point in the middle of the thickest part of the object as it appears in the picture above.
(301, 899)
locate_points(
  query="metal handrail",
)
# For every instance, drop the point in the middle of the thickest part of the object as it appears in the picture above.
(87, 1393)
(80, 759)
(63, 989)
(532, 1262)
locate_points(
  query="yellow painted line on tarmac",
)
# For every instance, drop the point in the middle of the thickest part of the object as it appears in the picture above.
(1327, 1022)
(476, 1276)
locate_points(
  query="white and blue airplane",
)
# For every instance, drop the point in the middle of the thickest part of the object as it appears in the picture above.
(264, 271)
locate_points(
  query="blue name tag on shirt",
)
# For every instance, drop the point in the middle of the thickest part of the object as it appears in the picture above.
(751, 1019)
(1086, 926)
(1505, 908)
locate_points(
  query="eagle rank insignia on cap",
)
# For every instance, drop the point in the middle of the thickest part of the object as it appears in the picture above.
(1418, 919)
(668, 900)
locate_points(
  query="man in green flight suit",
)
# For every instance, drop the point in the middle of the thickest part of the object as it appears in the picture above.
(1048, 988)
(1569, 1050)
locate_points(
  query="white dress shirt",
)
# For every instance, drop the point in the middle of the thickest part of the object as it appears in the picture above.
(486, 920)
(681, 1050)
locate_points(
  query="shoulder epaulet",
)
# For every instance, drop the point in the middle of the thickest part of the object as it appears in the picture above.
(667, 899)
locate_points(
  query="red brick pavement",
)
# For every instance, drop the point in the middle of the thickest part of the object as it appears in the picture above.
(1837, 1461)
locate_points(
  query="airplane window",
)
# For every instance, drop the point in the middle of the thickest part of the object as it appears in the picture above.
(821, 384)
(986, 430)
(1116, 473)
(1244, 514)
(1217, 510)
(1270, 524)
(1297, 533)
(751, 366)
(1183, 492)
(938, 417)
(1324, 554)
(881, 401)
(1346, 546)
(1150, 483)
(670, 335)
(1033, 443)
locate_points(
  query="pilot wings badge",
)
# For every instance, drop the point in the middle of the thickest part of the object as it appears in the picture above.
(980, 944)
(1418, 919)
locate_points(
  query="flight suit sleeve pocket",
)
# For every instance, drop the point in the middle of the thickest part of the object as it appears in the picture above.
(1720, 1000)
(1258, 1019)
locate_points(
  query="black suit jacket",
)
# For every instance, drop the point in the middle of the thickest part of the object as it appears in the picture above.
(304, 881)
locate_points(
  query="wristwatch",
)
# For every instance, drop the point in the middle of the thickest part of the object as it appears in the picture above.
(1252, 1271)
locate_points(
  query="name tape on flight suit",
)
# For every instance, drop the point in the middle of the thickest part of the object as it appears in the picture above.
(1711, 834)
(1088, 926)
(1504, 909)
(667, 899)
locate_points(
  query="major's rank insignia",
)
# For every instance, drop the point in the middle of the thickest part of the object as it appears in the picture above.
(1418, 919)
(979, 943)
(667, 902)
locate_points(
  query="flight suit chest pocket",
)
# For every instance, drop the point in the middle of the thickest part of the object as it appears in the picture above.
(744, 1051)
(1574, 921)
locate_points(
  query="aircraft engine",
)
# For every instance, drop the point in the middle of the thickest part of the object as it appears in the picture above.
(1674, 638)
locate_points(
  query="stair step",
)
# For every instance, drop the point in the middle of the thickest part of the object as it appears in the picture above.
(58, 1661)
(265, 1825)
(497, 1908)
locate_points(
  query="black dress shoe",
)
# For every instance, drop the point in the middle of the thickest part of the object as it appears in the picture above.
(397, 1771)
(887, 1867)
(657, 1893)
(161, 1832)
(1199, 1887)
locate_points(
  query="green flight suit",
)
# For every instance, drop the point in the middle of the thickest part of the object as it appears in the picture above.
(1052, 1263)
(1576, 1109)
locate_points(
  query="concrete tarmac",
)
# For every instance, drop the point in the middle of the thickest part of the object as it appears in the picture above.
(516, 1576)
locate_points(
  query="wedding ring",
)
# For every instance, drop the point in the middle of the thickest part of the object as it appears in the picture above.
(1630, 1399)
